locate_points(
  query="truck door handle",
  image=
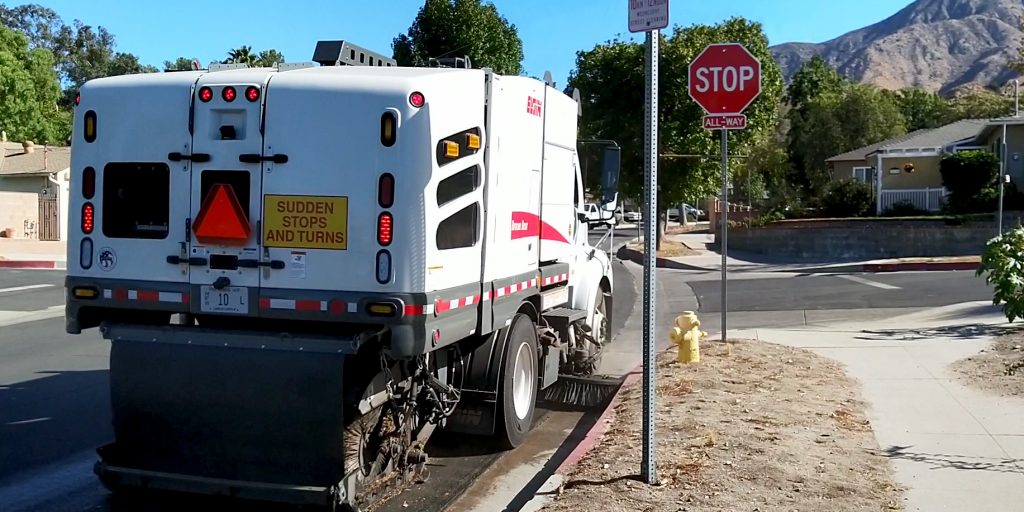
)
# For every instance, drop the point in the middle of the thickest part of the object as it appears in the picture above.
(195, 157)
(253, 158)
(274, 264)
(194, 261)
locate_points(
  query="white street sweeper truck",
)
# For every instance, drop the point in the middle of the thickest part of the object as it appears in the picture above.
(303, 270)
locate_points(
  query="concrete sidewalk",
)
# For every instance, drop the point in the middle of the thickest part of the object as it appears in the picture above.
(952, 448)
(25, 253)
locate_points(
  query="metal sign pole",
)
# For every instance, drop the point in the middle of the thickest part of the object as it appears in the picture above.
(648, 467)
(725, 227)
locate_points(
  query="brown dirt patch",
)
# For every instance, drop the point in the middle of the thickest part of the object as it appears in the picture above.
(998, 369)
(765, 428)
(676, 230)
(669, 249)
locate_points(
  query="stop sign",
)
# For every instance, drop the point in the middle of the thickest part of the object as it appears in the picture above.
(725, 79)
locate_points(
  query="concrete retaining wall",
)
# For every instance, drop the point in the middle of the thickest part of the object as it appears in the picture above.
(863, 240)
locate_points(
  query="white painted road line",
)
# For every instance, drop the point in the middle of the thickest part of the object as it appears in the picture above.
(9, 318)
(868, 282)
(23, 288)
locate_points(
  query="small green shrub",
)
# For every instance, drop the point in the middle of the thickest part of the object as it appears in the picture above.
(971, 178)
(1002, 263)
(904, 208)
(847, 199)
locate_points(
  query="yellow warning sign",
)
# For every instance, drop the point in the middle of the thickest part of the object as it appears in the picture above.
(307, 222)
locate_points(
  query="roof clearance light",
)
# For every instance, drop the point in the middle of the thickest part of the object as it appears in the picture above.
(88, 218)
(78, 99)
(228, 93)
(385, 228)
(451, 149)
(417, 99)
(205, 94)
(252, 93)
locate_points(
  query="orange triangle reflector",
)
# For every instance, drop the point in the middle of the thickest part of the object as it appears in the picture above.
(221, 219)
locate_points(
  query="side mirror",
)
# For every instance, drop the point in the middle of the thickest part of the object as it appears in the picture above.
(611, 159)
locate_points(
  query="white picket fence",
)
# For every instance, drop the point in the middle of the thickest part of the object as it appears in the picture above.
(927, 199)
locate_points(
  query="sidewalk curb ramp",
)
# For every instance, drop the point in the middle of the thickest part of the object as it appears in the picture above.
(625, 253)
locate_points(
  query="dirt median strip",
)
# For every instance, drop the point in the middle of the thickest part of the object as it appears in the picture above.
(998, 369)
(764, 427)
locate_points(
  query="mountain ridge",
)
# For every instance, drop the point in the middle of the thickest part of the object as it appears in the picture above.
(938, 45)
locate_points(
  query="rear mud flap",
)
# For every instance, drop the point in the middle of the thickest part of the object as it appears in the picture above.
(205, 418)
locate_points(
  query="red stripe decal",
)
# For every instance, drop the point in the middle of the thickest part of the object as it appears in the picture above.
(149, 296)
(307, 305)
(528, 225)
(120, 294)
(185, 298)
(338, 307)
(264, 303)
(413, 310)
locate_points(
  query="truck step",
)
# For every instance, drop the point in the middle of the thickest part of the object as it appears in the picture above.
(564, 315)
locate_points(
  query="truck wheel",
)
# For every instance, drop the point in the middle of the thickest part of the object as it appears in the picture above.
(518, 383)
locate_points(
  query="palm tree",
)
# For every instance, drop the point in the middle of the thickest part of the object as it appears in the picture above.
(242, 55)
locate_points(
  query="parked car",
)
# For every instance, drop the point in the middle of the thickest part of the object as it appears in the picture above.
(631, 215)
(691, 213)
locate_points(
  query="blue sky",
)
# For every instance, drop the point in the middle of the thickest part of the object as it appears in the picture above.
(552, 31)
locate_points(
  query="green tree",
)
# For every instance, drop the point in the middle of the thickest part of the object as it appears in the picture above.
(268, 58)
(241, 55)
(814, 81)
(29, 92)
(445, 28)
(40, 24)
(922, 109)
(982, 104)
(971, 178)
(179, 64)
(610, 78)
(836, 122)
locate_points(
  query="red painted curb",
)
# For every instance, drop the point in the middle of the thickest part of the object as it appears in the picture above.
(594, 435)
(27, 264)
(922, 266)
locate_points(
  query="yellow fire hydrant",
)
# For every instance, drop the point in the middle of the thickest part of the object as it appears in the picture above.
(686, 335)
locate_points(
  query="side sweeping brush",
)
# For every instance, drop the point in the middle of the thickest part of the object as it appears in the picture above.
(585, 392)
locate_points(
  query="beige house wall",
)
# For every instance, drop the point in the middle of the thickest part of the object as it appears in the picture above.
(16, 208)
(926, 173)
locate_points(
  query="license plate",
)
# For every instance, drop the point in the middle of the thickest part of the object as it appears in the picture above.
(232, 299)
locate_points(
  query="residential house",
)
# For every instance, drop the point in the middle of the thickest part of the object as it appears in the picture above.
(909, 164)
(1012, 130)
(34, 190)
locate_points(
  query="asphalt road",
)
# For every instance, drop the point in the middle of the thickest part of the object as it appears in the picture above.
(789, 300)
(55, 411)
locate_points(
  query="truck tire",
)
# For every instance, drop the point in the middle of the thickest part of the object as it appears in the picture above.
(518, 389)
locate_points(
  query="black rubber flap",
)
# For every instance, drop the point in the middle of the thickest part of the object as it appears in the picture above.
(234, 413)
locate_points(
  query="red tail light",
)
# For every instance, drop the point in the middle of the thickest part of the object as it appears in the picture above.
(228, 94)
(385, 226)
(88, 182)
(88, 220)
(417, 99)
(252, 93)
(386, 190)
(205, 94)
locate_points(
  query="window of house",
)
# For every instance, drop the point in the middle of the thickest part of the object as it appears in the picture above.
(862, 174)
(459, 230)
(136, 200)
